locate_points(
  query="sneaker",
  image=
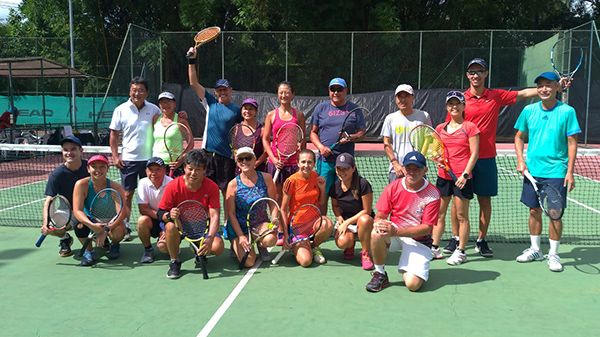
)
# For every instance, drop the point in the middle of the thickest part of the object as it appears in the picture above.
(457, 258)
(88, 258)
(279, 239)
(318, 256)
(264, 254)
(554, 263)
(529, 255)
(114, 251)
(437, 253)
(451, 247)
(483, 249)
(148, 256)
(366, 262)
(349, 252)
(127, 236)
(65, 246)
(174, 269)
(378, 282)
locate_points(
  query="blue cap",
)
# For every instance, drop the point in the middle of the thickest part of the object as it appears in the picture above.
(479, 61)
(72, 139)
(250, 101)
(155, 160)
(222, 83)
(415, 158)
(550, 75)
(455, 94)
(338, 81)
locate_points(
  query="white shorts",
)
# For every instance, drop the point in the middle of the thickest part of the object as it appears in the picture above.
(415, 256)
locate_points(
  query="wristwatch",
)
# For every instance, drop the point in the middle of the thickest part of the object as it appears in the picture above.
(465, 175)
(168, 215)
(106, 228)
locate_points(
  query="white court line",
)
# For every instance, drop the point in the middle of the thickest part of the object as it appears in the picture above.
(21, 205)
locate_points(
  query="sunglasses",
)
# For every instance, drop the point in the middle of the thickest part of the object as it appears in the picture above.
(243, 159)
(336, 89)
(478, 72)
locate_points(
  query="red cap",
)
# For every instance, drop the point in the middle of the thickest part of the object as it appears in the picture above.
(97, 157)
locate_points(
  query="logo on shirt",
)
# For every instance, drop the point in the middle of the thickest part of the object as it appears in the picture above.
(421, 208)
(545, 117)
(206, 196)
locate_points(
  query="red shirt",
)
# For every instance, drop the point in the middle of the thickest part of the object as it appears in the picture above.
(176, 192)
(457, 144)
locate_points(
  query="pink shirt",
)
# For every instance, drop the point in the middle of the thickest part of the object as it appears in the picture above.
(277, 124)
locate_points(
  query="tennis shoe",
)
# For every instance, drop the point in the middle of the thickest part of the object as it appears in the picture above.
(88, 258)
(65, 246)
(349, 252)
(127, 236)
(365, 260)
(483, 249)
(114, 251)
(318, 256)
(148, 256)
(529, 255)
(378, 282)
(451, 247)
(457, 258)
(554, 263)
(279, 239)
(437, 253)
(174, 270)
(264, 254)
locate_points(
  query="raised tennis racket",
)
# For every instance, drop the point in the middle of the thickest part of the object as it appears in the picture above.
(288, 142)
(261, 221)
(58, 216)
(549, 197)
(566, 57)
(241, 135)
(304, 225)
(193, 223)
(178, 140)
(204, 36)
(350, 124)
(105, 208)
(428, 142)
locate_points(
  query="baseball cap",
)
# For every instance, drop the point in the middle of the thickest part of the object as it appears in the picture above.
(250, 101)
(244, 150)
(455, 94)
(166, 94)
(479, 61)
(406, 88)
(548, 75)
(415, 158)
(338, 81)
(72, 139)
(96, 158)
(222, 83)
(155, 160)
(344, 160)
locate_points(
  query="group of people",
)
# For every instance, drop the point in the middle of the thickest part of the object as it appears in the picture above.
(409, 216)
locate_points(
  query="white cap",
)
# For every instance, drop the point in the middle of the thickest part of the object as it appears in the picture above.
(166, 94)
(406, 88)
(244, 150)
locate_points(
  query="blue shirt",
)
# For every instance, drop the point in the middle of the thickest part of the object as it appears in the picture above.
(547, 152)
(219, 119)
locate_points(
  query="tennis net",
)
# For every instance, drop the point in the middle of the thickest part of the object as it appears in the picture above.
(24, 170)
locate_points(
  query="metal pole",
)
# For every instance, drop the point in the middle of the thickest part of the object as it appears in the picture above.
(73, 92)
(223, 55)
(43, 94)
(351, 60)
(589, 84)
(490, 60)
(420, 58)
(286, 54)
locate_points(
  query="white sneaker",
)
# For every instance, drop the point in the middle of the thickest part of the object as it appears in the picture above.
(127, 236)
(554, 263)
(318, 256)
(457, 258)
(264, 254)
(529, 255)
(437, 253)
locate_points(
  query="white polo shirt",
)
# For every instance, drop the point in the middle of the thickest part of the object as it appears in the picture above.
(148, 194)
(136, 128)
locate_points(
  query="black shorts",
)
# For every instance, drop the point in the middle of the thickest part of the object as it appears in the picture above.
(130, 174)
(157, 227)
(81, 232)
(219, 169)
(447, 188)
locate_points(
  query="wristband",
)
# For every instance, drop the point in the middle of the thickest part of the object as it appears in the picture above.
(191, 61)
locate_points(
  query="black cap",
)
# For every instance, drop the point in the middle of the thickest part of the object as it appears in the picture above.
(345, 160)
(155, 160)
(72, 139)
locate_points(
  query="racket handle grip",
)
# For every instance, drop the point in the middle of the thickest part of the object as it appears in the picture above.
(40, 240)
(87, 243)
(275, 176)
(452, 175)
(278, 257)
(243, 261)
(203, 266)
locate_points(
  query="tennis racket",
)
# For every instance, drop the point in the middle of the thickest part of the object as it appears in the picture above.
(549, 198)
(177, 139)
(193, 223)
(241, 135)
(566, 57)
(350, 124)
(287, 142)
(424, 139)
(260, 222)
(59, 215)
(204, 36)
(105, 208)
(305, 224)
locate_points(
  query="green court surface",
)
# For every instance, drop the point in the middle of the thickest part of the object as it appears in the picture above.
(46, 295)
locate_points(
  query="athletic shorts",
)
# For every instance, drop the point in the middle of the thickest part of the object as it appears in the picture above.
(327, 171)
(131, 172)
(485, 177)
(81, 232)
(415, 256)
(529, 197)
(219, 169)
(157, 227)
(448, 188)
(285, 172)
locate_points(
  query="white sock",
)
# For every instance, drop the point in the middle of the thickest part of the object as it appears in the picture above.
(379, 268)
(455, 238)
(536, 241)
(553, 247)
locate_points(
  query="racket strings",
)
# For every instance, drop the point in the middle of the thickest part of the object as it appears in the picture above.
(194, 221)
(106, 206)
(241, 136)
(175, 140)
(304, 221)
(206, 35)
(60, 212)
(552, 201)
(288, 140)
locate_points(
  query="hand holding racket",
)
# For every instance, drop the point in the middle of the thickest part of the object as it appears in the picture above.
(350, 125)
(566, 57)
(192, 221)
(204, 36)
(304, 225)
(178, 140)
(549, 197)
(106, 207)
(288, 142)
(261, 221)
(59, 215)
(241, 135)
(424, 139)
